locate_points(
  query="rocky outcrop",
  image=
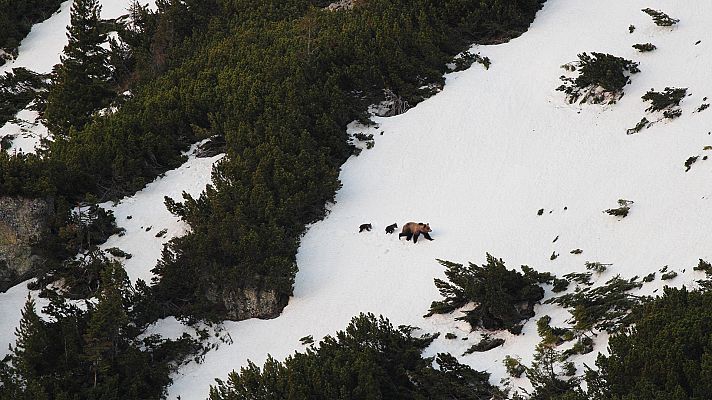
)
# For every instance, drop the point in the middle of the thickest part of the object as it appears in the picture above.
(245, 303)
(23, 224)
(212, 147)
(341, 5)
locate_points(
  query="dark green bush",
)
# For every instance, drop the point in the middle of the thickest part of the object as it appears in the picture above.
(502, 297)
(601, 78)
(644, 47)
(667, 355)
(660, 18)
(368, 360)
(607, 307)
(667, 101)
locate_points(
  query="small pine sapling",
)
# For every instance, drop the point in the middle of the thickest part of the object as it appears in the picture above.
(502, 297)
(644, 123)
(690, 161)
(660, 18)
(649, 278)
(576, 251)
(702, 107)
(559, 285)
(514, 366)
(596, 266)
(309, 339)
(622, 210)
(703, 266)
(631, 28)
(644, 47)
(667, 101)
(583, 278)
(601, 78)
(607, 308)
(668, 275)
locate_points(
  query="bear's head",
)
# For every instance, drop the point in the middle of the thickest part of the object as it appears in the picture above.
(425, 227)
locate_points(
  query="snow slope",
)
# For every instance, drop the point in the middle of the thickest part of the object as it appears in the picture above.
(479, 159)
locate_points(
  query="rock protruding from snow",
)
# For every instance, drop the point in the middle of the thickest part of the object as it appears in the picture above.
(211, 147)
(23, 223)
(249, 302)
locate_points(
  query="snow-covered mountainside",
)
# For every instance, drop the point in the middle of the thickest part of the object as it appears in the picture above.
(476, 161)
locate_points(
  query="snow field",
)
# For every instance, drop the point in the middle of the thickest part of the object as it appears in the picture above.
(476, 161)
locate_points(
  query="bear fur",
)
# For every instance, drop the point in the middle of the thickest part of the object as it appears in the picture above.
(412, 229)
(364, 227)
(391, 228)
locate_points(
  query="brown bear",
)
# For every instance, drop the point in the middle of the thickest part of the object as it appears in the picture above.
(412, 229)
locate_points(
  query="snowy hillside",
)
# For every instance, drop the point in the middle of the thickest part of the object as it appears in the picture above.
(478, 161)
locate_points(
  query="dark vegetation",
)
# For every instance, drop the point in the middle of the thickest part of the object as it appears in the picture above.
(642, 124)
(369, 360)
(92, 352)
(665, 356)
(644, 47)
(622, 210)
(502, 298)
(690, 161)
(660, 18)
(17, 89)
(606, 308)
(667, 101)
(16, 20)
(601, 78)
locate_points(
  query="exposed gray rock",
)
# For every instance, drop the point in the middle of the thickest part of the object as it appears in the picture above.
(212, 147)
(23, 223)
(248, 303)
(341, 5)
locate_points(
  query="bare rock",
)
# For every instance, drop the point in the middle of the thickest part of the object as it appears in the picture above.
(23, 224)
(341, 5)
(249, 302)
(212, 147)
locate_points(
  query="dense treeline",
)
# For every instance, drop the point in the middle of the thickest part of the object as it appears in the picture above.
(665, 356)
(17, 18)
(368, 360)
(93, 352)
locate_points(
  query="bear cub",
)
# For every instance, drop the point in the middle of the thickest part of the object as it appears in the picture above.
(364, 227)
(391, 228)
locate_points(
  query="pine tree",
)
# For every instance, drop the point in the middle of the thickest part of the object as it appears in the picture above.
(81, 84)
(28, 354)
(103, 338)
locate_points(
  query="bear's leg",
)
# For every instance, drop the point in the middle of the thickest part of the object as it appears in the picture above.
(425, 235)
(415, 238)
(400, 235)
